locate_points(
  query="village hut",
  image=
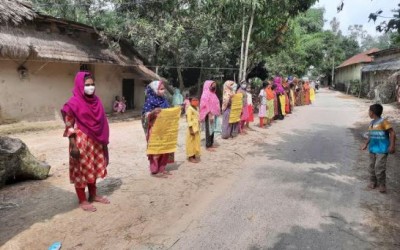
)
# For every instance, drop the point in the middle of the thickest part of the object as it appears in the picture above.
(381, 77)
(40, 55)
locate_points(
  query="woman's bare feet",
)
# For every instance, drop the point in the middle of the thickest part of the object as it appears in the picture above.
(159, 175)
(193, 160)
(86, 206)
(211, 149)
(99, 199)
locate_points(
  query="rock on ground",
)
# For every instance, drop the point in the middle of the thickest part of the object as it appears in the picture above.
(17, 163)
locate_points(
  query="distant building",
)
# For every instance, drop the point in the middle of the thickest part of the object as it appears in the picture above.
(349, 72)
(381, 78)
(40, 55)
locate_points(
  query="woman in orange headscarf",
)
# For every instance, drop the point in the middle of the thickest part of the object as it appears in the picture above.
(271, 96)
(287, 93)
(307, 100)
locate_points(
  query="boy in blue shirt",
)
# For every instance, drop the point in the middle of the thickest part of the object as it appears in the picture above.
(381, 142)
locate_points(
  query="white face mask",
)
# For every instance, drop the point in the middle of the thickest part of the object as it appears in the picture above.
(89, 90)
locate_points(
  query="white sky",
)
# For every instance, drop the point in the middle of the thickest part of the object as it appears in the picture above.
(357, 12)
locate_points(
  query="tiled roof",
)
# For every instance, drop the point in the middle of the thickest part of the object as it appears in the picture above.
(359, 58)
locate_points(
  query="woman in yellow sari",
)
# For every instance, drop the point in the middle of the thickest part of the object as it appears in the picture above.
(312, 95)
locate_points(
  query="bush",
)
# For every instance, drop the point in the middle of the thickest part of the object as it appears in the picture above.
(355, 86)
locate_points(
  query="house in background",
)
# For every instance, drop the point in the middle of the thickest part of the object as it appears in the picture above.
(40, 55)
(350, 70)
(381, 78)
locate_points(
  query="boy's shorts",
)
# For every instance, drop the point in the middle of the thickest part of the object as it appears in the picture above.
(377, 168)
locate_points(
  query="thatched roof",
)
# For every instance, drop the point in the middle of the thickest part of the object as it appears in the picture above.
(22, 42)
(385, 52)
(15, 12)
(25, 42)
(390, 65)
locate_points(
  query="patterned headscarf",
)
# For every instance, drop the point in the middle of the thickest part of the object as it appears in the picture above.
(209, 102)
(228, 93)
(153, 100)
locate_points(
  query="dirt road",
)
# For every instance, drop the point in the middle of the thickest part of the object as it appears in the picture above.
(297, 185)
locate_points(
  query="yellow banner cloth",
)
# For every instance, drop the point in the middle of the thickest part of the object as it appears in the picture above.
(164, 133)
(236, 108)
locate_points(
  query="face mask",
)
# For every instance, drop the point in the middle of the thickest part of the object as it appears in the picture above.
(243, 86)
(234, 88)
(89, 90)
(213, 89)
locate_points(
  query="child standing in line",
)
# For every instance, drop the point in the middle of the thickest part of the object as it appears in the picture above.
(262, 110)
(249, 106)
(381, 142)
(193, 131)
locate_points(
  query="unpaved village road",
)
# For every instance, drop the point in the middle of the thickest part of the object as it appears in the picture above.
(297, 185)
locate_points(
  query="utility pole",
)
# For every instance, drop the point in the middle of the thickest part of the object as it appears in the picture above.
(333, 69)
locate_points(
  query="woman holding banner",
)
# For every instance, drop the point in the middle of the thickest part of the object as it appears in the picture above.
(155, 101)
(229, 129)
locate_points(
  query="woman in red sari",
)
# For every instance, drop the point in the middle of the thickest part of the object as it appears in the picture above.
(88, 132)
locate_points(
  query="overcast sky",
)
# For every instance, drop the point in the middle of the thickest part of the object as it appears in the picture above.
(356, 12)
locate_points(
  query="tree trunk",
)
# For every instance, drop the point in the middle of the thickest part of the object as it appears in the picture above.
(199, 80)
(248, 42)
(242, 49)
(180, 78)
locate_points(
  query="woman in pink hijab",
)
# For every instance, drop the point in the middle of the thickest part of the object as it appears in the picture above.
(209, 109)
(88, 132)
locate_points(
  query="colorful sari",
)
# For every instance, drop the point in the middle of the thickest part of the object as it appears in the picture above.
(85, 118)
(307, 100)
(228, 129)
(158, 163)
(271, 96)
(312, 95)
(209, 111)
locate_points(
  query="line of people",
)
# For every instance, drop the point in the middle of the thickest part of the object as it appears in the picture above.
(277, 99)
(86, 124)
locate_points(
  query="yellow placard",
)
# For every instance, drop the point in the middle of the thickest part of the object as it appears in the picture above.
(236, 108)
(164, 133)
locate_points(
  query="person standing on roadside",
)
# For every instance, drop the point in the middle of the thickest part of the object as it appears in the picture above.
(86, 126)
(381, 142)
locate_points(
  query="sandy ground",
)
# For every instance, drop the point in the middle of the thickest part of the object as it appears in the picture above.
(151, 213)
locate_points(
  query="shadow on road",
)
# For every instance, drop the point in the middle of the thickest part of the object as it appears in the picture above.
(38, 202)
(334, 181)
(323, 145)
(336, 233)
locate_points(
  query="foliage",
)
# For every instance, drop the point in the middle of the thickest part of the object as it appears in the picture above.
(311, 50)
(181, 34)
